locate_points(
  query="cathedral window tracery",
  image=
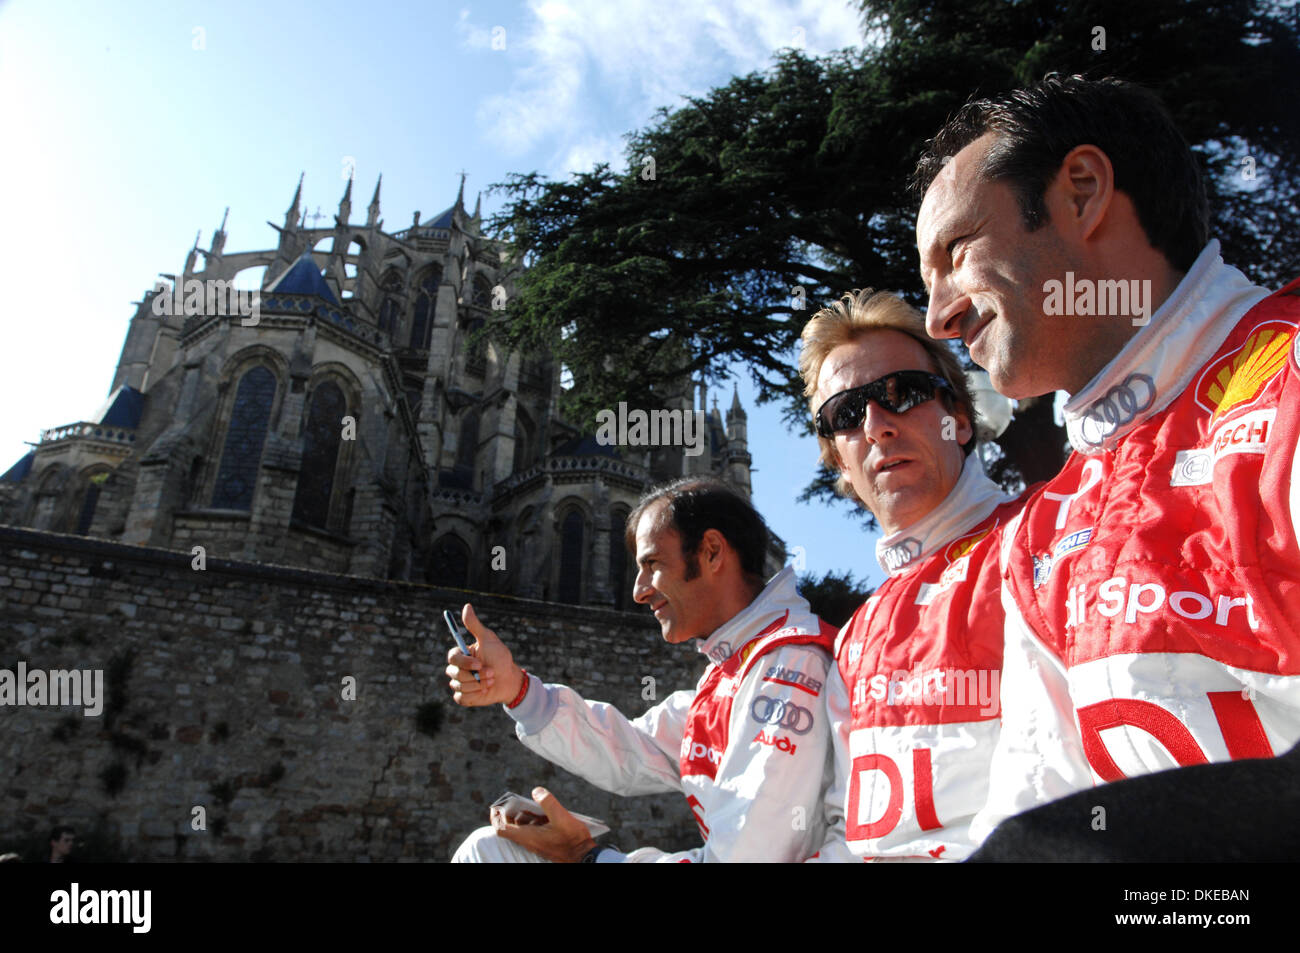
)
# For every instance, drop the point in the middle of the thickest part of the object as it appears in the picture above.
(572, 532)
(422, 326)
(241, 456)
(390, 309)
(321, 436)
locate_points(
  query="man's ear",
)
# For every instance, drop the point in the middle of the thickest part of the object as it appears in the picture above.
(712, 546)
(1082, 190)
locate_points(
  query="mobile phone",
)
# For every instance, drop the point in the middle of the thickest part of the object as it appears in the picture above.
(458, 633)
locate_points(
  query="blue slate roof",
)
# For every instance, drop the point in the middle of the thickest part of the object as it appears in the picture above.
(586, 446)
(440, 221)
(303, 278)
(20, 469)
(122, 409)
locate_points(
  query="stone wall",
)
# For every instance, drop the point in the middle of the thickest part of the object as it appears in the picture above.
(225, 689)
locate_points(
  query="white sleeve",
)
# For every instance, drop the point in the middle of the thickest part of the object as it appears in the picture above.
(600, 744)
(1039, 755)
(768, 805)
(835, 849)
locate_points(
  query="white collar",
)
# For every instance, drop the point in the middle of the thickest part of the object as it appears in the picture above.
(1157, 363)
(777, 597)
(973, 498)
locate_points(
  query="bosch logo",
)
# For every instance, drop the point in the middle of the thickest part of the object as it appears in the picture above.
(1192, 468)
(1119, 406)
(781, 713)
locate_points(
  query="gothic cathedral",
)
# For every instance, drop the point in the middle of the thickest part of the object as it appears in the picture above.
(351, 422)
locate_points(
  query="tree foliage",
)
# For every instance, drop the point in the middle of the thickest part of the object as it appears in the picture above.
(835, 596)
(743, 210)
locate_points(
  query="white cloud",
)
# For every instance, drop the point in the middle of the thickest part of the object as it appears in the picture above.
(474, 37)
(591, 70)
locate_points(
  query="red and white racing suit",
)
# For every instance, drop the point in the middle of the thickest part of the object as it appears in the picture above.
(914, 701)
(1152, 589)
(749, 746)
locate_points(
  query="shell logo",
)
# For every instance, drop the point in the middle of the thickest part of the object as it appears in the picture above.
(1238, 377)
(960, 547)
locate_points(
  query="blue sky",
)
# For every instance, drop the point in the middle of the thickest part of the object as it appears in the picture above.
(130, 126)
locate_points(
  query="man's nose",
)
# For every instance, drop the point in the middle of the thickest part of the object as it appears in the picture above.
(641, 588)
(878, 424)
(946, 309)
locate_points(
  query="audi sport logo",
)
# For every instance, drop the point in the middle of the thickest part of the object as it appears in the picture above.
(781, 713)
(1118, 407)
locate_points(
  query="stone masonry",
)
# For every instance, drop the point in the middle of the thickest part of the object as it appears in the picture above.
(226, 690)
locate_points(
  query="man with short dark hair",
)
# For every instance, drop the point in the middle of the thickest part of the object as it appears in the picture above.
(61, 839)
(1152, 587)
(748, 746)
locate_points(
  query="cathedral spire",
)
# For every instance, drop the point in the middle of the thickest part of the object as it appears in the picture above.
(193, 255)
(478, 202)
(219, 236)
(736, 410)
(291, 216)
(345, 204)
(372, 217)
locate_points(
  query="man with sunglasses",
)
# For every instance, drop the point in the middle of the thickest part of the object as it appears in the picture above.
(913, 699)
(1152, 588)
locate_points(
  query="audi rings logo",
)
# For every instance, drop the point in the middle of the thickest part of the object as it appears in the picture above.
(783, 714)
(1120, 405)
(720, 652)
(901, 553)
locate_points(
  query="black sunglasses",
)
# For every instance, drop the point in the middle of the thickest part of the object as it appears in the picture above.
(897, 393)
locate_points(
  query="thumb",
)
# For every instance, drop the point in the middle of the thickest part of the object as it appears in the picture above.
(555, 811)
(481, 633)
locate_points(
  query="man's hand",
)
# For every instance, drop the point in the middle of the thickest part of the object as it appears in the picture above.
(561, 839)
(501, 677)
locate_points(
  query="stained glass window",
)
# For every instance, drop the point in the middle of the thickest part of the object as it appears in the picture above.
(389, 309)
(242, 455)
(618, 580)
(88, 504)
(422, 327)
(321, 436)
(571, 557)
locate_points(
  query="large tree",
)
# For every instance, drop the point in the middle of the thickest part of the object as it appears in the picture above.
(741, 211)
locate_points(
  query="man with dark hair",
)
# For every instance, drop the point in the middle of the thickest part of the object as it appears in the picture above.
(1151, 587)
(61, 839)
(748, 746)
